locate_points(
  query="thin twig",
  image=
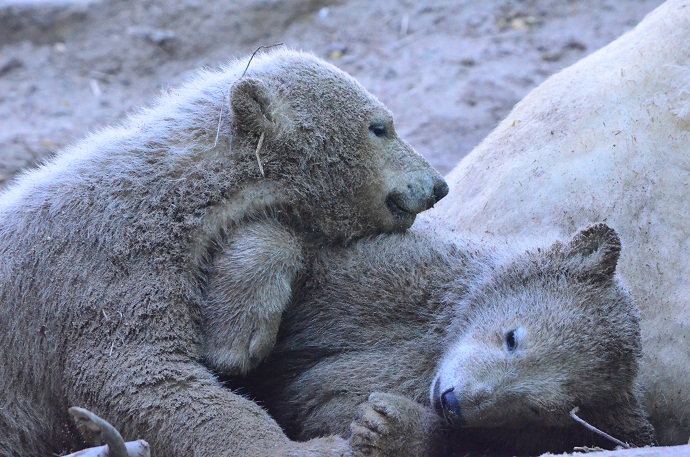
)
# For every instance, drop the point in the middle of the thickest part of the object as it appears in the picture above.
(258, 148)
(254, 53)
(220, 112)
(596, 430)
(404, 25)
(220, 117)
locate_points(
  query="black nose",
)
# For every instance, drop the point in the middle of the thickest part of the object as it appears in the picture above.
(440, 190)
(450, 408)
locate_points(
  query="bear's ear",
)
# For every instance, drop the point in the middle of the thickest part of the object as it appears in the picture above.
(593, 252)
(250, 101)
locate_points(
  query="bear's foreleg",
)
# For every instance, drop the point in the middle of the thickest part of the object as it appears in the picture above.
(179, 407)
(250, 284)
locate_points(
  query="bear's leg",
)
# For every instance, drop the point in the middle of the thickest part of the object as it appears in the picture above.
(250, 284)
(179, 408)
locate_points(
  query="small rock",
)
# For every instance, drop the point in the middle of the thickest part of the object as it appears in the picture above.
(95, 88)
(165, 39)
(336, 51)
(575, 45)
(390, 74)
(9, 66)
(160, 37)
(522, 24)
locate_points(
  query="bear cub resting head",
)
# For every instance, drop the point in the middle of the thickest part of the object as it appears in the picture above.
(470, 348)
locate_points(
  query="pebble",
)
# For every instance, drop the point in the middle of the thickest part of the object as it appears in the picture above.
(10, 65)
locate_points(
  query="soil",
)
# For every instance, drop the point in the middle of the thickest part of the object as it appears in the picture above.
(449, 70)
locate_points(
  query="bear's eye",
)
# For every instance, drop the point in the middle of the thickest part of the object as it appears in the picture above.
(378, 129)
(511, 341)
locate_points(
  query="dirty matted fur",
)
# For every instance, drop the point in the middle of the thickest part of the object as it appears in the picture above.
(469, 348)
(105, 249)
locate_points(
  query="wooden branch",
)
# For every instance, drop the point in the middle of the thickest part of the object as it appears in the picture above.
(138, 448)
(115, 446)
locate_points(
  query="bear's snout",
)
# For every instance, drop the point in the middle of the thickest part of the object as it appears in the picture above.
(416, 197)
(447, 405)
(440, 190)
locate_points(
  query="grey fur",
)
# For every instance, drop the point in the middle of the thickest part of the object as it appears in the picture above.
(399, 314)
(105, 249)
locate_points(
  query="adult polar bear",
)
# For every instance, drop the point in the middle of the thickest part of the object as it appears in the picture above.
(607, 139)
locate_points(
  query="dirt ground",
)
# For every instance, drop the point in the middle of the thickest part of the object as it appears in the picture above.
(449, 70)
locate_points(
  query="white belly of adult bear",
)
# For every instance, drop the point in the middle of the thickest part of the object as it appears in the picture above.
(503, 342)
(104, 249)
(606, 139)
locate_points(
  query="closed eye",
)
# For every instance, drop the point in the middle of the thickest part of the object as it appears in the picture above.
(378, 129)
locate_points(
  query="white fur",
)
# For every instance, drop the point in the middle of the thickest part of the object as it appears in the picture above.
(607, 139)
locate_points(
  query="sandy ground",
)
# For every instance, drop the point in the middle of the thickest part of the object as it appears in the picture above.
(668, 451)
(449, 70)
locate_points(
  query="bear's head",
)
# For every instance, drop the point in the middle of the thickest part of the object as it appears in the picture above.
(330, 145)
(539, 335)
